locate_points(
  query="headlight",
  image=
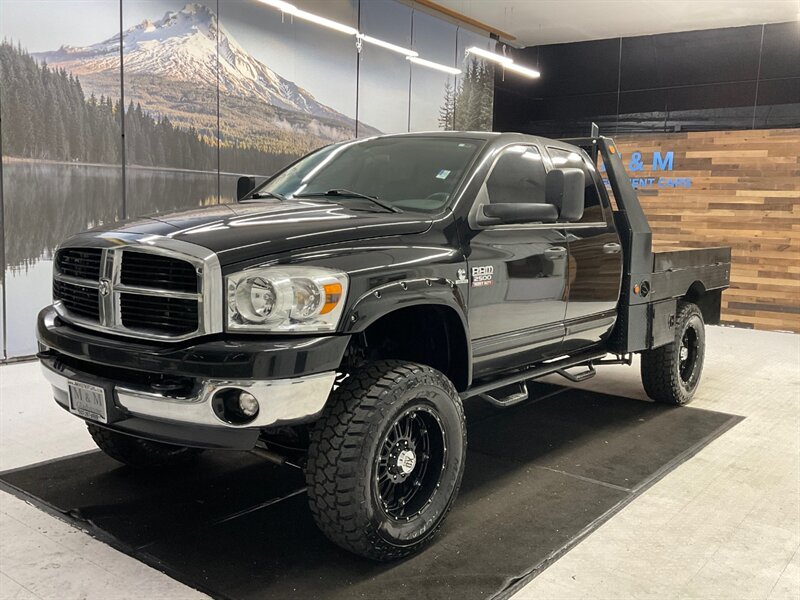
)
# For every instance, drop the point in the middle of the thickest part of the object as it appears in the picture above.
(286, 298)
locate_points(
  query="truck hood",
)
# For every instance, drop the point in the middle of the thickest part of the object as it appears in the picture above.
(241, 232)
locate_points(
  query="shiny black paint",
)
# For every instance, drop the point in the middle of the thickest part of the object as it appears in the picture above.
(251, 231)
(216, 357)
(554, 288)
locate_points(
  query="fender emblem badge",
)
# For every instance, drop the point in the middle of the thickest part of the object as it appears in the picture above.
(483, 276)
(461, 276)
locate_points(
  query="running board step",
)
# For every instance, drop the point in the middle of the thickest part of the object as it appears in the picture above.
(534, 372)
(514, 398)
(578, 377)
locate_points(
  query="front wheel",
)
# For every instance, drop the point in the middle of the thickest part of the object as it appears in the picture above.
(386, 458)
(671, 373)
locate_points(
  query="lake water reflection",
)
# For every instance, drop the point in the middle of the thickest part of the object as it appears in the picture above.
(44, 203)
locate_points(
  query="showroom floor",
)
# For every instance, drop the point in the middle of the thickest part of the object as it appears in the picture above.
(725, 524)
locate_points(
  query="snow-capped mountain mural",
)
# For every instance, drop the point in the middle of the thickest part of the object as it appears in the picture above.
(172, 66)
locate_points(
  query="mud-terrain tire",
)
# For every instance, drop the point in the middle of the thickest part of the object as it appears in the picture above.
(138, 453)
(671, 373)
(386, 458)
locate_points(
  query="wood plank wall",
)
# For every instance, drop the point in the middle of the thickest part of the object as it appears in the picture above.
(745, 193)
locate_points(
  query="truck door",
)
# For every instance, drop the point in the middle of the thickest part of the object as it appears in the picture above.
(517, 273)
(595, 260)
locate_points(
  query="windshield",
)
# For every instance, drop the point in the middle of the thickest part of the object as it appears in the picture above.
(409, 173)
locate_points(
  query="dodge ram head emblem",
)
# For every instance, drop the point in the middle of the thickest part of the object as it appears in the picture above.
(104, 288)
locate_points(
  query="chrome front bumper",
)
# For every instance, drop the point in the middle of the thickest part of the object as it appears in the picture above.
(281, 401)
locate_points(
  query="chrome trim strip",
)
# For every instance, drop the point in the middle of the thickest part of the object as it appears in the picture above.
(281, 401)
(88, 283)
(143, 291)
(209, 299)
(567, 226)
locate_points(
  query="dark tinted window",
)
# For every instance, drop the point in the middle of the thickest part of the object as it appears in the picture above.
(517, 176)
(593, 210)
(413, 173)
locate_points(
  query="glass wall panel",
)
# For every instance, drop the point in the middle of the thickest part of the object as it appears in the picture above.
(169, 57)
(432, 91)
(473, 101)
(61, 142)
(287, 86)
(384, 75)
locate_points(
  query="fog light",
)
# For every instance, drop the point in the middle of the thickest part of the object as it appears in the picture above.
(235, 406)
(248, 404)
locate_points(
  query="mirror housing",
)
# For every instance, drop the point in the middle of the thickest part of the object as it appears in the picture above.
(517, 212)
(564, 189)
(244, 185)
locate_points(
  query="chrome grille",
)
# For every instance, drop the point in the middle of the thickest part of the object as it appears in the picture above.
(169, 315)
(80, 300)
(155, 270)
(148, 287)
(83, 263)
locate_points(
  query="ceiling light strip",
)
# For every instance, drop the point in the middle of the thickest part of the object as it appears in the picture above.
(411, 55)
(505, 61)
(522, 70)
(394, 48)
(330, 24)
(432, 65)
(291, 9)
(498, 58)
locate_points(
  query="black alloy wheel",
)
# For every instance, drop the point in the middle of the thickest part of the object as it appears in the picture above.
(410, 463)
(687, 353)
(671, 373)
(385, 459)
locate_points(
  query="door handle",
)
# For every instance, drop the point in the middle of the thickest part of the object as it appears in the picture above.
(612, 248)
(555, 253)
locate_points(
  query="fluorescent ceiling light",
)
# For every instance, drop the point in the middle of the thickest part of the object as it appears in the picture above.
(506, 61)
(280, 5)
(433, 65)
(498, 58)
(522, 70)
(307, 16)
(387, 45)
(291, 9)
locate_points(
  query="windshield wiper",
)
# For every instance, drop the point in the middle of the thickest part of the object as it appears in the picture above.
(259, 195)
(340, 193)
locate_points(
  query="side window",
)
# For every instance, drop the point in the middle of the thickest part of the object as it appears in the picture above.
(593, 209)
(518, 176)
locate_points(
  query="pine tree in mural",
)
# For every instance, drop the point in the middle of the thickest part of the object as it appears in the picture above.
(52, 120)
(447, 111)
(77, 129)
(469, 106)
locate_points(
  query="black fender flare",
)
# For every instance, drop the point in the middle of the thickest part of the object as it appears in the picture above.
(387, 298)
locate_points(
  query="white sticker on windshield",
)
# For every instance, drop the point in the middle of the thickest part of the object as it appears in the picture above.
(443, 174)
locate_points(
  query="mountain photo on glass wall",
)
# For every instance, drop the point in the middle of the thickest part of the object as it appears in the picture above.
(171, 68)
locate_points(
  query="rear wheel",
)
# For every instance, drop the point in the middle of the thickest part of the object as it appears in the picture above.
(139, 453)
(671, 373)
(386, 459)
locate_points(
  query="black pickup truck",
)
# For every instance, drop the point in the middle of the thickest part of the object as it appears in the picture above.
(336, 316)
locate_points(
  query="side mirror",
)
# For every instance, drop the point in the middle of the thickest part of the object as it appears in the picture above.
(517, 212)
(564, 189)
(244, 186)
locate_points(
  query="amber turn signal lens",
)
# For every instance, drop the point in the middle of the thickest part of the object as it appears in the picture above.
(636, 289)
(333, 293)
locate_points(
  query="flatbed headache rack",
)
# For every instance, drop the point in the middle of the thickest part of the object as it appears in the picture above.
(652, 282)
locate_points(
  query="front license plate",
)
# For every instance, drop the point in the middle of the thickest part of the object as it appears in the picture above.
(88, 401)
